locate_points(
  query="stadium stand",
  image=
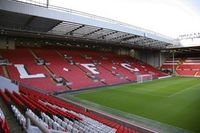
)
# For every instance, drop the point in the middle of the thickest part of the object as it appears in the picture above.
(4, 127)
(169, 63)
(17, 57)
(57, 61)
(46, 55)
(56, 71)
(55, 114)
(184, 64)
(3, 123)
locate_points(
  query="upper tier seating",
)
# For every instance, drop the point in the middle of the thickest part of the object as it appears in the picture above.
(61, 69)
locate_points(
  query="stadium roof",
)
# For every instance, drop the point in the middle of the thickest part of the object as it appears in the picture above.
(40, 20)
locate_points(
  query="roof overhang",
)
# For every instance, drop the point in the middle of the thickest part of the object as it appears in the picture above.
(33, 20)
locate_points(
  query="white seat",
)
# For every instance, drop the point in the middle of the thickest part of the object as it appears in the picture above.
(81, 130)
(45, 124)
(55, 117)
(22, 119)
(101, 131)
(86, 129)
(18, 115)
(55, 125)
(76, 122)
(43, 115)
(15, 112)
(74, 130)
(66, 120)
(50, 122)
(60, 128)
(63, 109)
(64, 124)
(46, 118)
(76, 125)
(81, 125)
(93, 131)
(59, 121)
(69, 128)
(70, 123)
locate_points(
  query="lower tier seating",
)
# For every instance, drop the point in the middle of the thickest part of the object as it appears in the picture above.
(57, 115)
(4, 127)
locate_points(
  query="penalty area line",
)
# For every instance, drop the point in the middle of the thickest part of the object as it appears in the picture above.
(191, 87)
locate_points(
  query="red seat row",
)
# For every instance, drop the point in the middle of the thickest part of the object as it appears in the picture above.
(55, 101)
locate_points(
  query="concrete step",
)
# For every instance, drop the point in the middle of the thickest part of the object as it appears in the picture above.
(12, 122)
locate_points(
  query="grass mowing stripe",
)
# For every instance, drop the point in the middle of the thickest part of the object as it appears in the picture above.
(144, 93)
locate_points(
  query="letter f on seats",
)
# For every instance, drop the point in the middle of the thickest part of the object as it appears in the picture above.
(91, 68)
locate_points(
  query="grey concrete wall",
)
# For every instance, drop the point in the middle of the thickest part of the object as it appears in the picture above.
(6, 83)
(3, 43)
(151, 57)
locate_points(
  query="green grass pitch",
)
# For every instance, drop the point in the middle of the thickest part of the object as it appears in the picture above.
(172, 101)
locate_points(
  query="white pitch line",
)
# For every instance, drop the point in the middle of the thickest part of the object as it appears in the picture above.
(182, 90)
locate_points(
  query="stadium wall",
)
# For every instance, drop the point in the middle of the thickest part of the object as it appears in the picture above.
(151, 57)
(164, 56)
(7, 83)
(27, 43)
(7, 43)
(3, 43)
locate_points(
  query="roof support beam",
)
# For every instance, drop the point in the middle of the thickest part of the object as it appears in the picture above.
(28, 22)
(92, 32)
(71, 32)
(103, 36)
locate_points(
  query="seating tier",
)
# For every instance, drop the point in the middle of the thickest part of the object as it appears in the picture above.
(110, 68)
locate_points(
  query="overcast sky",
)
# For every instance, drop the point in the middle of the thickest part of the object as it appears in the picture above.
(168, 17)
